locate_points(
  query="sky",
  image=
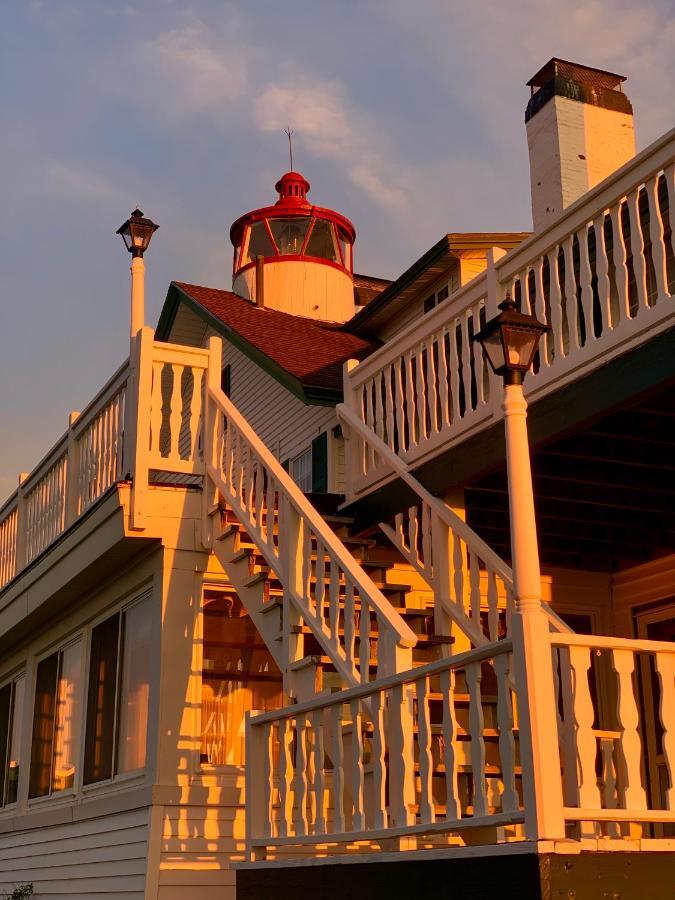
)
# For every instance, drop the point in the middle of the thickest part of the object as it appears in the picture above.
(408, 118)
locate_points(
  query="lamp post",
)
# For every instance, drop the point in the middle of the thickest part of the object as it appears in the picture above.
(137, 233)
(510, 341)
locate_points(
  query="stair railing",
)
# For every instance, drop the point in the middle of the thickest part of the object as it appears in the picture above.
(455, 562)
(341, 603)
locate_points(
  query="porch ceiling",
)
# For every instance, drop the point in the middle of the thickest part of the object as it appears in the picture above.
(604, 494)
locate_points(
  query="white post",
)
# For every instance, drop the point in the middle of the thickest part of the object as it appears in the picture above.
(137, 295)
(353, 445)
(209, 436)
(138, 422)
(540, 756)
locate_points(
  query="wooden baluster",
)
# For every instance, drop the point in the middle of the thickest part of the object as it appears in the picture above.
(454, 372)
(669, 174)
(349, 615)
(413, 532)
(249, 478)
(364, 641)
(493, 605)
(656, 235)
(320, 581)
(477, 752)
(665, 668)
(584, 715)
(411, 413)
(268, 776)
(226, 460)
(432, 392)
(176, 411)
(602, 271)
(401, 763)
(334, 599)
(370, 421)
(609, 782)
(421, 391)
(196, 417)
(427, 811)
(301, 787)
(507, 743)
(156, 411)
(358, 816)
(556, 338)
(338, 770)
(474, 588)
(566, 720)
(319, 780)
(270, 503)
(571, 296)
(285, 777)
(443, 381)
(452, 806)
(637, 246)
(466, 361)
(399, 395)
(458, 571)
(620, 267)
(306, 585)
(540, 311)
(378, 762)
(426, 539)
(630, 745)
(378, 383)
(389, 408)
(585, 282)
(480, 365)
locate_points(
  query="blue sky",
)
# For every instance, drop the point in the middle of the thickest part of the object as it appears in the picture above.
(408, 118)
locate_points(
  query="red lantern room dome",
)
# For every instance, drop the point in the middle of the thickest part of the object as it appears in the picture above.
(292, 230)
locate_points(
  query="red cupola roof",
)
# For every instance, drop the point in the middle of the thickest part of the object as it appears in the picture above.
(292, 189)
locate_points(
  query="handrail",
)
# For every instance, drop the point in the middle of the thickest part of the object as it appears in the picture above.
(447, 515)
(258, 480)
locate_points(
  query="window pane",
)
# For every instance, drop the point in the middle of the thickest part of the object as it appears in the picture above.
(98, 751)
(67, 714)
(43, 726)
(321, 241)
(259, 243)
(5, 701)
(301, 470)
(239, 674)
(134, 687)
(345, 248)
(15, 740)
(289, 234)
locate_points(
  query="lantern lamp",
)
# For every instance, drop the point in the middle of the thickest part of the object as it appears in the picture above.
(510, 341)
(137, 232)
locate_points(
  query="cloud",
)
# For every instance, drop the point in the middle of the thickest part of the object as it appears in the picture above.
(201, 75)
(331, 129)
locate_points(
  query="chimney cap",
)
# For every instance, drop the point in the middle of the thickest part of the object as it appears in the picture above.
(600, 78)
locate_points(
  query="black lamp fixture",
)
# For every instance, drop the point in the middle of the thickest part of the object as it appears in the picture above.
(510, 341)
(137, 232)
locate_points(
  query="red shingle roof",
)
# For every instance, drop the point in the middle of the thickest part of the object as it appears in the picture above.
(311, 351)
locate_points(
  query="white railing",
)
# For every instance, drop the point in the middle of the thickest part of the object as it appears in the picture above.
(76, 472)
(324, 586)
(613, 695)
(432, 751)
(602, 276)
(472, 585)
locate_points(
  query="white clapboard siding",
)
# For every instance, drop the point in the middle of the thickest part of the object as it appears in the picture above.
(259, 397)
(79, 859)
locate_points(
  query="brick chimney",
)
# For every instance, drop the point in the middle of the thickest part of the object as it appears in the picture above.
(579, 130)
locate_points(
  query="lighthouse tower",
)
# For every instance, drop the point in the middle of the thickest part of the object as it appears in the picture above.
(295, 257)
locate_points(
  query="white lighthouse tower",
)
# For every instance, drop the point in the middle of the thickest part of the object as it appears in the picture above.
(295, 257)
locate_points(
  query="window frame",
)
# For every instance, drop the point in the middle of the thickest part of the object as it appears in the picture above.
(135, 774)
(12, 681)
(58, 649)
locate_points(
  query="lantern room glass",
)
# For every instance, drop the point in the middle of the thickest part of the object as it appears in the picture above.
(322, 241)
(259, 243)
(289, 235)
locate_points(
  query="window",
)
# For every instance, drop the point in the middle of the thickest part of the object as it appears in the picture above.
(226, 380)
(301, 470)
(55, 722)
(238, 674)
(322, 241)
(259, 243)
(434, 299)
(11, 712)
(118, 694)
(345, 249)
(289, 234)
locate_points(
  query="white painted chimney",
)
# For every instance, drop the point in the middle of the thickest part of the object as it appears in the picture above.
(579, 130)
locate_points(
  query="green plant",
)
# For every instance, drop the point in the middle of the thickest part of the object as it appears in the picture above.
(21, 892)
